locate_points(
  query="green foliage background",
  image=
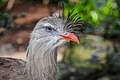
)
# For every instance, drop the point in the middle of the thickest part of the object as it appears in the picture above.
(97, 57)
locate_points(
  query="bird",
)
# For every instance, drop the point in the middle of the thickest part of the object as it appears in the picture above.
(41, 56)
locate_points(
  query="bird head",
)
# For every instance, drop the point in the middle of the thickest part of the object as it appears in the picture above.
(55, 30)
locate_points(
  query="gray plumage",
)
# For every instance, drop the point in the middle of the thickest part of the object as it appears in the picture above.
(41, 59)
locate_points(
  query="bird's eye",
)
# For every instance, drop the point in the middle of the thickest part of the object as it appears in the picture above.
(48, 29)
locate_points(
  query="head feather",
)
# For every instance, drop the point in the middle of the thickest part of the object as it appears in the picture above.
(72, 21)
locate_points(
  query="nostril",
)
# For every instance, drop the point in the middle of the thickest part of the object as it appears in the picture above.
(66, 33)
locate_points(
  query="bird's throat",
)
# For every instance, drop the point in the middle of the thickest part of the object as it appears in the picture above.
(41, 62)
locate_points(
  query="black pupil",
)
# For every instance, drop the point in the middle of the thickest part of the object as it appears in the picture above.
(49, 28)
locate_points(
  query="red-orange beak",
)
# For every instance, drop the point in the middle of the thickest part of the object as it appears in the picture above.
(71, 37)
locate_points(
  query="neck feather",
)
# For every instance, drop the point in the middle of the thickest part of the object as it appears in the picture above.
(42, 62)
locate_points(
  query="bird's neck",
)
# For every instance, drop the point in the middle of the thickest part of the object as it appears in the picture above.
(41, 62)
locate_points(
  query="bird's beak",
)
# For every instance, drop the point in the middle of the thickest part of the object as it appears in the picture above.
(71, 37)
